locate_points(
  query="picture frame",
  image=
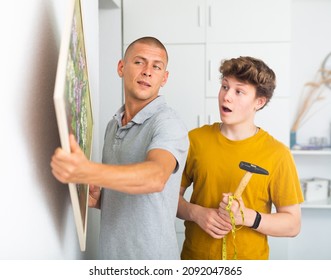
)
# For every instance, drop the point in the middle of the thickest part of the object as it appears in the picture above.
(73, 106)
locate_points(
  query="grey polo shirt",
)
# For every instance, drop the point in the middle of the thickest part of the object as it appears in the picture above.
(142, 226)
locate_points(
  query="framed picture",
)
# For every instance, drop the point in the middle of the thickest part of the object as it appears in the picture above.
(73, 107)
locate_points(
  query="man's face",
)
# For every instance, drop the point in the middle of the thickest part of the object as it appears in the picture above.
(143, 71)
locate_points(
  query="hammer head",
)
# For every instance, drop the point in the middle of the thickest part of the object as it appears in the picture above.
(252, 168)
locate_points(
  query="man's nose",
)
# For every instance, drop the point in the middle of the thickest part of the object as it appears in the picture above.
(147, 70)
(146, 73)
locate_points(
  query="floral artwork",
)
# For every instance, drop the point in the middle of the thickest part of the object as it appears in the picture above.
(73, 106)
(78, 105)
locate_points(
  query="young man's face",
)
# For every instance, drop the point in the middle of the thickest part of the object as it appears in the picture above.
(237, 101)
(143, 71)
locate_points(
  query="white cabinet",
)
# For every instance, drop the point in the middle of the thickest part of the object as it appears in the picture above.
(213, 21)
(248, 21)
(171, 21)
(184, 90)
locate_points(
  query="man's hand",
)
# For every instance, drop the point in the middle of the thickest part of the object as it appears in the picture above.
(70, 167)
(210, 221)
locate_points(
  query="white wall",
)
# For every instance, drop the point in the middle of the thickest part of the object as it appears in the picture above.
(35, 210)
(110, 53)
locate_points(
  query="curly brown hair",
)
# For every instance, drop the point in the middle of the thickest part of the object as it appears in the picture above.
(252, 71)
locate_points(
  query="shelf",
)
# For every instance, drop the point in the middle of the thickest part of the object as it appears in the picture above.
(320, 204)
(311, 152)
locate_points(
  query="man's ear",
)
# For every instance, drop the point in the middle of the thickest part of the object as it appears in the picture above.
(120, 66)
(165, 78)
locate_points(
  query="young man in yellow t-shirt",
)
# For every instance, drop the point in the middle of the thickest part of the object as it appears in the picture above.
(212, 169)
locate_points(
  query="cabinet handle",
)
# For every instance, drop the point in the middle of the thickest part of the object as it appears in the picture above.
(199, 16)
(209, 16)
(198, 121)
(209, 70)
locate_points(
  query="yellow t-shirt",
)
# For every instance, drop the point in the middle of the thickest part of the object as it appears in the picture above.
(213, 167)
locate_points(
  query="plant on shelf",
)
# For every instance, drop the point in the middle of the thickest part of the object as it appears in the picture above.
(312, 94)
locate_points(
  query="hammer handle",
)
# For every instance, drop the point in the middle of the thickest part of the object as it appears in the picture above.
(243, 183)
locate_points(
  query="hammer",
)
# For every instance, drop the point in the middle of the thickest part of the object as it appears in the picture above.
(250, 170)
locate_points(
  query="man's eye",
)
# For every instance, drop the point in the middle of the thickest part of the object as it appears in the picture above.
(157, 67)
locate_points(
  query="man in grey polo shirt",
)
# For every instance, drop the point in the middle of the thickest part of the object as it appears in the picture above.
(144, 154)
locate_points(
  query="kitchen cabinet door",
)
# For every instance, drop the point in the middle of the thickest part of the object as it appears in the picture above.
(171, 21)
(239, 21)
